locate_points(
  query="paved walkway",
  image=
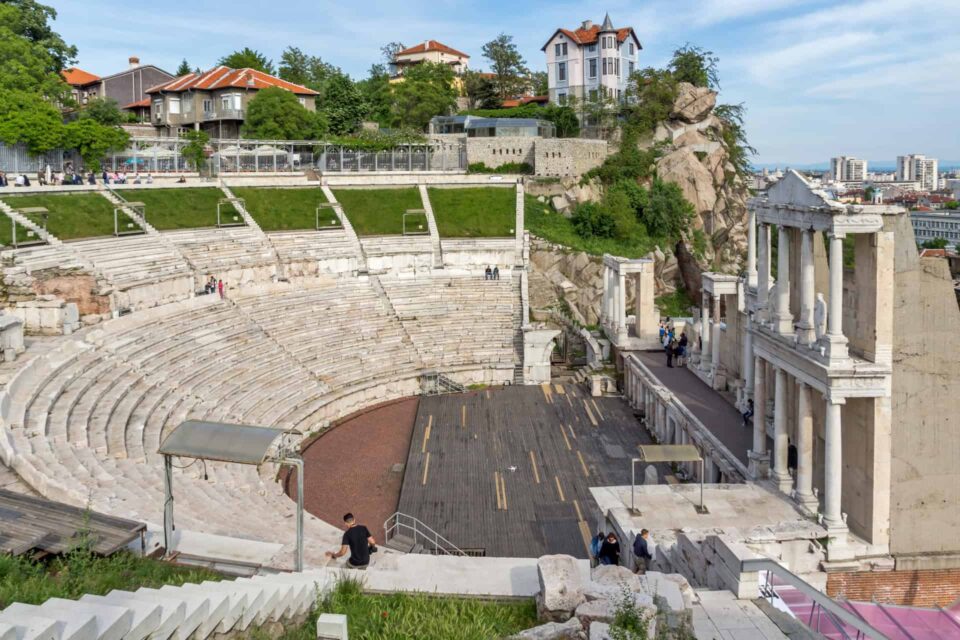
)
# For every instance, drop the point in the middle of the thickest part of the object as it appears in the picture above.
(713, 410)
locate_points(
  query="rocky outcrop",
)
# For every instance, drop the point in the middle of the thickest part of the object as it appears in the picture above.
(561, 589)
(569, 630)
(693, 104)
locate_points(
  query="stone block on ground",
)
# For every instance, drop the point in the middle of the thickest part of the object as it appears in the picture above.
(616, 576)
(599, 631)
(561, 587)
(572, 629)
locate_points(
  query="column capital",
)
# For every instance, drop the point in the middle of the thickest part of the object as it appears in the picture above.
(837, 235)
(834, 399)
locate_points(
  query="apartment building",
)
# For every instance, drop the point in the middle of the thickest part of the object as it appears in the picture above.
(918, 168)
(590, 59)
(214, 101)
(127, 87)
(847, 169)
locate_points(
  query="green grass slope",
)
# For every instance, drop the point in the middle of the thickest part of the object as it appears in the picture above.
(71, 216)
(285, 209)
(189, 208)
(378, 212)
(475, 212)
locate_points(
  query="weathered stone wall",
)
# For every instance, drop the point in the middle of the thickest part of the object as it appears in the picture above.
(925, 499)
(494, 152)
(76, 287)
(568, 156)
(908, 588)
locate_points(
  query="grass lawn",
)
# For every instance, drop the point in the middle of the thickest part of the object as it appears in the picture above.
(543, 222)
(77, 573)
(676, 304)
(188, 208)
(378, 212)
(6, 231)
(75, 215)
(476, 212)
(418, 616)
(285, 209)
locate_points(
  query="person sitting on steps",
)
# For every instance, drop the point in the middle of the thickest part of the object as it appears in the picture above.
(358, 542)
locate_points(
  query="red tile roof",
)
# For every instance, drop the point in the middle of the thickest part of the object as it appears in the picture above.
(224, 77)
(78, 77)
(138, 104)
(591, 35)
(431, 45)
(933, 253)
(516, 102)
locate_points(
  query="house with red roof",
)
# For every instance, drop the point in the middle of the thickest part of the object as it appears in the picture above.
(429, 51)
(127, 87)
(214, 101)
(591, 59)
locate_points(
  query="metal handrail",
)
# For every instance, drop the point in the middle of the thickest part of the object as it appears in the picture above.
(419, 530)
(828, 604)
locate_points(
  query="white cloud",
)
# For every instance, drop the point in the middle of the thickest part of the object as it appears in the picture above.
(782, 64)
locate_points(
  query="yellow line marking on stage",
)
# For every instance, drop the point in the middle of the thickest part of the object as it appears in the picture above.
(463, 416)
(599, 413)
(565, 438)
(576, 505)
(496, 486)
(572, 434)
(569, 401)
(559, 389)
(547, 393)
(585, 534)
(426, 436)
(559, 488)
(426, 469)
(533, 463)
(586, 405)
(583, 465)
(503, 490)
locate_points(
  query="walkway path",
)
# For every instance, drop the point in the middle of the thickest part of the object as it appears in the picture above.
(718, 415)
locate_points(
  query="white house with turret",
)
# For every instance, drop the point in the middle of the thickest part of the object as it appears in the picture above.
(584, 61)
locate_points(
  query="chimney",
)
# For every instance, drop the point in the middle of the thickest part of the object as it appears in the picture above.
(134, 62)
(587, 25)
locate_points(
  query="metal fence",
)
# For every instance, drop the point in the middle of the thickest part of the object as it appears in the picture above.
(165, 155)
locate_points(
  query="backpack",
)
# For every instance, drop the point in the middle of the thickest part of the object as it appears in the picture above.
(595, 545)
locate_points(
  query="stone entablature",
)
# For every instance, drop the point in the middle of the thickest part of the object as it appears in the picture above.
(613, 310)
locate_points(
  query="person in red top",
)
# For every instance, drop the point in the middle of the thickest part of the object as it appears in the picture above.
(220, 288)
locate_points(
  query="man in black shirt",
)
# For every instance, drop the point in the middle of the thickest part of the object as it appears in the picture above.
(357, 541)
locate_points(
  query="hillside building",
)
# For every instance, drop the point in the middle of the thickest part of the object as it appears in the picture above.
(918, 168)
(429, 51)
(591, 59)
(847, 169)
(127, 87)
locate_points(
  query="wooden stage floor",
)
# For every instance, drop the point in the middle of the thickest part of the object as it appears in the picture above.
(508, 470)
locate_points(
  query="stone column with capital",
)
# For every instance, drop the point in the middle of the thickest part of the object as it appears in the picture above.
(808, 502)
(705, 331)
(747, 360)
(783, 319)
(806, 330)
(621, 306)
(833, 467)
(606, 295)
(759, 458)
(763, 277)
(781, 445)
(715, 335)
(836, 342)
(751, 248)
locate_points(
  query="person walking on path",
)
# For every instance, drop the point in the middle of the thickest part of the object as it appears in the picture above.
(748, 414)
(641, 553)
(595, 543)
(220, 288)
(356, 541)
(496, 273)
(672, 350)
(610, 550)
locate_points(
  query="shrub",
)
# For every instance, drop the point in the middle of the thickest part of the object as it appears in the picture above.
(524, 168)
(629, 622)
(667, 212)
(591, 220)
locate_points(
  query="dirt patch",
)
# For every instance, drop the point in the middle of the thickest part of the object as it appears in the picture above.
(357, 466)
(78, 288)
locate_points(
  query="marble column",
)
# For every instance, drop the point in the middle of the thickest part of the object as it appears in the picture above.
(751, 248)
(836, 342)
(622, 304)
(781, 476)
(783, 320)
(715, 336)
(808, 502)
(759, 458)
(705, 330)
(763, 278)
(806, 330)
(604, 298)
(746, 360)
(833, 467)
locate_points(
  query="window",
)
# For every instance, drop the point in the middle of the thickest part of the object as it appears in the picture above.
(562, 72)
(174, 106)
(188, 103)
(230, 101)
(564, 49)
(631, 48)
(593, 67)
(631, 67)
(604, 66)
(591, 48)
(208, 105)
(562, 98)
(556, 50)
(618, 66)
(302, 101)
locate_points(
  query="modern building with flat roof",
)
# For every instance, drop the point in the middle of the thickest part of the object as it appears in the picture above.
(477, 127)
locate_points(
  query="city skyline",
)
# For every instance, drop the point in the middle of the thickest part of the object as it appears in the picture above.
(817, 78)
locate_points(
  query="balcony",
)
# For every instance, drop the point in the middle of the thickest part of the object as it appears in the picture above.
(222, 114)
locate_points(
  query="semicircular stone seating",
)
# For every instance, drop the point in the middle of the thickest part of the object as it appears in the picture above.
(87, 417)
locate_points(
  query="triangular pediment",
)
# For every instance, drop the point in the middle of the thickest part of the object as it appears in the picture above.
(793, 189)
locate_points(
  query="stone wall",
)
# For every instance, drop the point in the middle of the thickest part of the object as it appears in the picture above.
(908, 588)
(494, 152)
(568, 156)
(925, 500)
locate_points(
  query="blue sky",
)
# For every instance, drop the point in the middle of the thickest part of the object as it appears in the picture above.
(869, 78)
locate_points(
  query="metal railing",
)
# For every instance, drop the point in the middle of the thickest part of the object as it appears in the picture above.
(824, 604)
(401, 523)
(434, 383)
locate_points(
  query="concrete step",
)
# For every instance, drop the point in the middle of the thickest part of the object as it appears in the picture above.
(66, 626)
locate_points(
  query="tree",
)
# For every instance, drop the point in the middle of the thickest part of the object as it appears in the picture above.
(342, 105)
(868, 194)
(378, 95)
(599, 110)
(30, 119)
(953, 205)
(33, 54)
(303, 69)
(539, 83)
(696, 66)
(248, 58)
(666, 213)
(276, 114)
(184, 68)
(390, 50)
(30, 20)
(427, 91)
(195, 151)
(564, 119)
(105, 111)
(936, 243)
(480, 90)
(93, 140)
(507, 64)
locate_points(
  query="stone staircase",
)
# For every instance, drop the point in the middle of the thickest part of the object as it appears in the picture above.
(518, 229)
(345, 221)
(118, 201)
(432, 226)
(27, 223)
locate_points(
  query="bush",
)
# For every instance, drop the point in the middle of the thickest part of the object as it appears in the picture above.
(524, 168)
(629, 622)
(667, 212)
(591, 220)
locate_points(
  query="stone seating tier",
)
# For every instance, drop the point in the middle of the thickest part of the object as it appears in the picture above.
(132, 261)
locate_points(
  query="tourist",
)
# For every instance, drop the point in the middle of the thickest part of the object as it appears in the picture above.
(748, 414)
(3, 179)
(220, 288)
(182, 180)
(641, 553)
(358, 542)
(149, 178)
(595, 544)
(488, 273)
(673, 348)
(496, 273)
(683, 348)
(91, 178)
(610, 550)
(41, 180)
(663, 330)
